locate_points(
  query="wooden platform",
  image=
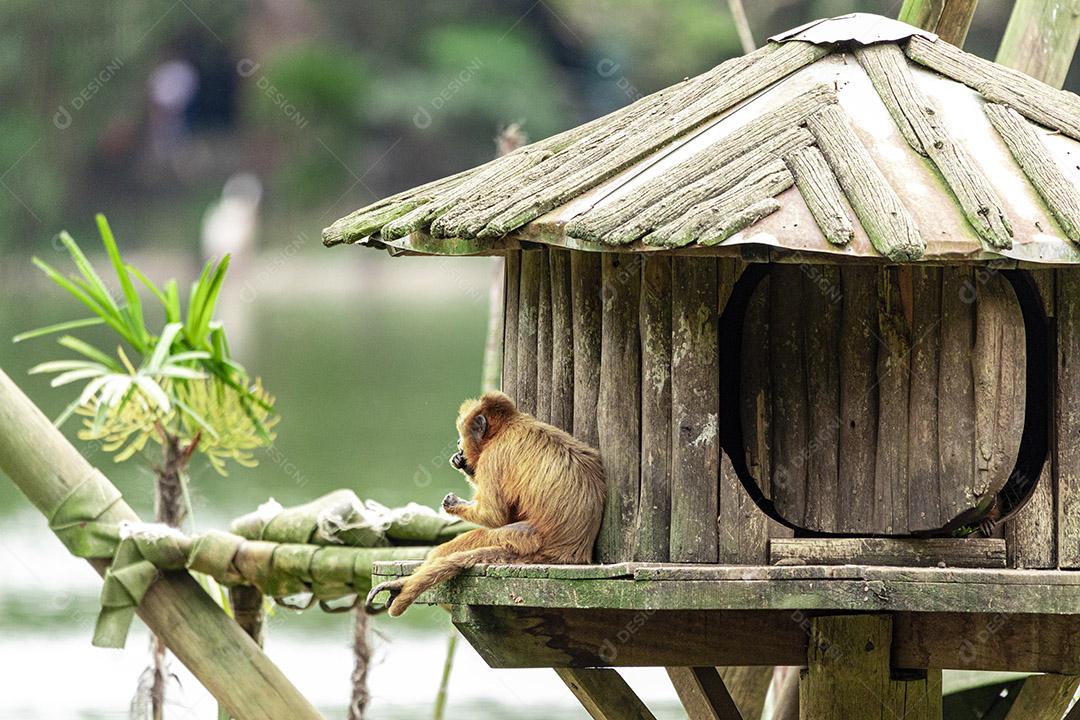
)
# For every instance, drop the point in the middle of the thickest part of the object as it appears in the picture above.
(648, 586)
(634, 614)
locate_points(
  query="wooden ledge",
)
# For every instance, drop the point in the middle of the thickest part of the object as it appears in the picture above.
(648, 586)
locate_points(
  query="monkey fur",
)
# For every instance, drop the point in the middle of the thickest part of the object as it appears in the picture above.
(539, 498)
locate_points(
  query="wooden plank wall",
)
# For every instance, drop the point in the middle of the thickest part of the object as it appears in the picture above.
(930, 400)
(625, 355)
(1067, 406)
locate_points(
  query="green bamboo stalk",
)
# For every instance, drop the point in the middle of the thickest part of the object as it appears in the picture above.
(46, 468)
(1041, 39)
(950, 19)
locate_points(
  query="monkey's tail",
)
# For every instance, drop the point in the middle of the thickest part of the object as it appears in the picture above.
(444, 568)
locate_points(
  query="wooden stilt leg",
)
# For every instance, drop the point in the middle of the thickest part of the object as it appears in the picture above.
(1044, 697)
(604, 694)
(748, 686)
(848, 674)
(703, 693)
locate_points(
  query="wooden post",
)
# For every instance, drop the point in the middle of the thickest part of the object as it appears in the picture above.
(1041, 39)
(247, 607)
(562, 341)
(543, 342)
(1044, 697)
(848, 674)
(512, 277)
(703, 694)
(618, 412)
(45, 466)
(695, 410)
(604, 694)
(585, 295)
(950, 19)
(532, 263)
(654, 516)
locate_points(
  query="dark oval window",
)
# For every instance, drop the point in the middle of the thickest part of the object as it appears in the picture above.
(884, 400)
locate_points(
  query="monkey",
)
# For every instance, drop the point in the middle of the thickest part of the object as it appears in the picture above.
(539, 498)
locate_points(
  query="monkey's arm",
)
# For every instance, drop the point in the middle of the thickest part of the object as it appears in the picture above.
(489, 506)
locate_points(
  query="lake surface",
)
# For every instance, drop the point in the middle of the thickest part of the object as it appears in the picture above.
(368, 363)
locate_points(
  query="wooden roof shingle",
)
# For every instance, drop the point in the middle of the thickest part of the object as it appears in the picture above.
(852, 138)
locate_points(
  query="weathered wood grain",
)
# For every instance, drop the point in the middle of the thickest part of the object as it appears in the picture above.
(512, 636)
(999, 370)
(821, 304)
(598, 156)
(1037, 101)
(950, 19)
(920, 125)
(858, 398)
(618, 413)
(633, 213)
(543, 341)
(928, 552)
(585, 290)
(695, 411)
(893, 387)
(790, 409)
(956, 392)
(743, 171)
(848, 673)
(743, 530)
(749, 686)
(822, 194)
(1032, 533)
(923, 463)
(562, 341)
(1067, 404)
(1044, 697)
(604, 694)
(1060, 194)
(703, 693)
(887, 222)
(511, 291)
(755, 405)
(1040, 39)
(654, 515)
(715, 219)
(533, 265)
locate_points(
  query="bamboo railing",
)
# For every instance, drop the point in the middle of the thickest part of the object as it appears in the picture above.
(47, 468)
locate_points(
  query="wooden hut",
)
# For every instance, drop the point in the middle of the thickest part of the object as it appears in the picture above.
(818, 309)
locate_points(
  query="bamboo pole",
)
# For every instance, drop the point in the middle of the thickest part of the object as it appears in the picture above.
(1041, 39)
(950, 19)
(742, 26)
(46, 468)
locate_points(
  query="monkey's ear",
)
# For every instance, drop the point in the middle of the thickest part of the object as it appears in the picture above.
(478, 427)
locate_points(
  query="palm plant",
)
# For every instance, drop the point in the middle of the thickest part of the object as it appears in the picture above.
(179, 387)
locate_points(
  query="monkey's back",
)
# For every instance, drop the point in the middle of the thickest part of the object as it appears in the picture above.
(559, 489)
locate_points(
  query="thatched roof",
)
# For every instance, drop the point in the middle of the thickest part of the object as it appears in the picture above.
(855, 137)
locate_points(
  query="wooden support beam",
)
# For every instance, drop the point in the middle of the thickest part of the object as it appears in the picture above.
(909, 552)
(748, 685)
(518, 637)
(950, 19)
(1041, 38)
(1044, 697)
(45, 466)
(703, 693)
(511, 288)
(604, 694)
(849, 674)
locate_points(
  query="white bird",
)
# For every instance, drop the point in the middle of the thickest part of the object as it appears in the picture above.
(229, 225)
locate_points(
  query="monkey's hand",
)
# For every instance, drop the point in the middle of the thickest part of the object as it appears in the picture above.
(393, 587)
(453, 504)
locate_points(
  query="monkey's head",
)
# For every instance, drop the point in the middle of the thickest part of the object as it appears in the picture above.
(478, 423)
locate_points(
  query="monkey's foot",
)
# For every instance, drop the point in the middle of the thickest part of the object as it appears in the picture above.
(393, 587)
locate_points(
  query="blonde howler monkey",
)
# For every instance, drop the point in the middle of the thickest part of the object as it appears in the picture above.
(539, 498)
